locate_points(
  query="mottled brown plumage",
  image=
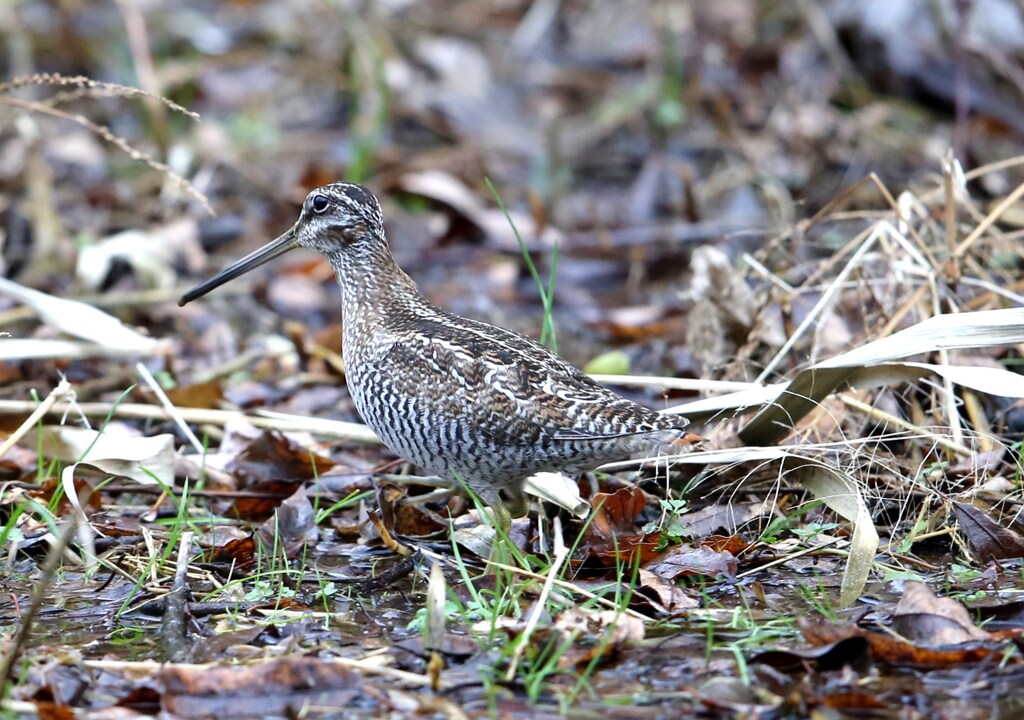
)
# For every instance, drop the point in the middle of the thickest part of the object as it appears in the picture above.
(471, 402)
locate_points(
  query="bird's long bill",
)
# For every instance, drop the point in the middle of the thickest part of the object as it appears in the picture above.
(253, 260)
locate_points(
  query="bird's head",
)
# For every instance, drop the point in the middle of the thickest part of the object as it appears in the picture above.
(337, 216)
(335, 219)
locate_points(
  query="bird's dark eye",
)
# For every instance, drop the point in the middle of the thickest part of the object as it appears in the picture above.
(320, 203)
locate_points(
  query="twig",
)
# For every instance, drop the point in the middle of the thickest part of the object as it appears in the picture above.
(63, 388)
(88, 84)
(173, 626)
(995, 214)
(142, 58)
(364, 665)
(826, 298)
(786, 558)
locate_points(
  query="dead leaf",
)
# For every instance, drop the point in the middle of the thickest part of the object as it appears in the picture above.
(689, 560)
(402, 518)
(853, 651)
(894, 651)
(447, 189)
(987, 539)
(732, 544)
(262, 690)
(924, 618)
(607, 631)
(150, 253)
(114, 450)
(240, 552)
(259, 501)
(199, 395)
(81, 321)
(729, 516)
(664, 594)
(612, 537)
(273, 456)
(292, 527)
(617, 512)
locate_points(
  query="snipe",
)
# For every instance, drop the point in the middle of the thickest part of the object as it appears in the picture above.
(466, 400)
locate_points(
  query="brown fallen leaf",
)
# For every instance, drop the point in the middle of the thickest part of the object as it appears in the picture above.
(732, 544)
(663, 594)
(852, 651)
(608, 631)
(612, 536)
(402, 518)
(895, 651)
(259, 501)
(703, 522)
(48, 710)
(198, 395)
(292, 526)
(923, 617)
(860, 703)
(273, 456)
(688, 560)
(987, 539)
(271, 688)
(142, 699)
(240, 552)
(214, 647)
(617, 512)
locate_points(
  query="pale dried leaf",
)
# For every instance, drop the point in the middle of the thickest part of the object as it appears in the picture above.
(840, 492)
(80, 320)
(144, 459)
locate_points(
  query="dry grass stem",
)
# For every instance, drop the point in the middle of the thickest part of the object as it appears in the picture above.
(139, 411)
(62, 390)
(168, 406)
(561, 553)
(44, 108)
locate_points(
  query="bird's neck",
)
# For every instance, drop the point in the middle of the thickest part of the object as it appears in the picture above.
(373, 287)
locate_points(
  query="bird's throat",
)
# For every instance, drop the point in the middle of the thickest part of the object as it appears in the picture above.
(373, 288)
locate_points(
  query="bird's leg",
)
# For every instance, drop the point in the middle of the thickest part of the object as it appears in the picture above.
(496, 499)
(501, 517)
(507, 502)
(511, 496)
